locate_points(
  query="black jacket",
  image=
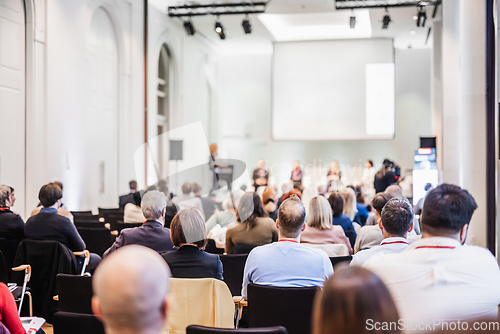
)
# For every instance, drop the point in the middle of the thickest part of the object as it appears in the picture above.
(190, 262)
(11, 225)
(49, 225)
(125, 199)
(151, 234)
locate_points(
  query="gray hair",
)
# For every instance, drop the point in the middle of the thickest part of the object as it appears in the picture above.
(394, 190)
(4, 195)
(152, 205)
(397, 216)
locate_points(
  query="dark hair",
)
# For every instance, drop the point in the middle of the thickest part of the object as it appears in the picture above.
(370, 162)
(349, 298)
(397, 216)
(447, 208)
(380, 200)
(337, 203)
(191, 221)
(360, 197)
(186, 188)
(132, 185)
(249, 209)
(59, 184)
(196, 188)
(137, 198)
(49, 194)
(291, 217)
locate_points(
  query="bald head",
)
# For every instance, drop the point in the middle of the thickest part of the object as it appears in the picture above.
(130, 291)
(395, 191)
(291, 217)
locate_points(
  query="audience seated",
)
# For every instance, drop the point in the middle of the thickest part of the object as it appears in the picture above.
(395, 191)
(128, 198)
(152, 233)
(188, 232)
(226, 217)
(352, 300)
(186, 200)
(133, 211)
(360, 204)
(350, 208)
(11, 224)
(319, 228)
(208, 203)
(337, 204)
(384, 177)
(61, 210)
(396, 222)
(438, 277)
(49, 225)
(287, 263)
(254, 226)
(8, 312)
(371, 235)
(268, 198)
(286, 195)
(131, 291)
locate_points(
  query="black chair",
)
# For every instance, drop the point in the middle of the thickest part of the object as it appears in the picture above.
(90, 218)
(242, 249)
(362, 220)
(212, 247)
(19, 292)
(81, 213)
(351, 235)
(75, 293)
(233, 271)
(194, 329)
(103, 212)
(121, 225)
(275, 306)
(75, 323)
(338, 259)
(89, 224)
(98, 240)
(9, 249)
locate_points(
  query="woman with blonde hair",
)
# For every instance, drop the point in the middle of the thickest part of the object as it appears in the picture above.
(352, 300)
(350, 208)
(319, 227)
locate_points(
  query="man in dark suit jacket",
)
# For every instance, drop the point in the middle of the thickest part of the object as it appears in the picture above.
(152, 233)
(129, 198)
(11, 224)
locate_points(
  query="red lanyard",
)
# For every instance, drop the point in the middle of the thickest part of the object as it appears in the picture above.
(394, 242)
(289, 240)
(4, 209)
(445, 247)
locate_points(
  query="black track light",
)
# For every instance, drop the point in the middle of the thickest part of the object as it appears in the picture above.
(352, 20)
(247, 27)
(386, 20)
(421, 17)
(188, 26)
(220, 30)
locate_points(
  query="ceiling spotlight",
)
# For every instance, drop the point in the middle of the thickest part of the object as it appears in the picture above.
(421, 17)
(247, 27)
(352, 20)
(188, 26)
(386, 20)
(220, 30)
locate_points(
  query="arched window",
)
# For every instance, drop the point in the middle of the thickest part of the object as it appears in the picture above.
(163, 113)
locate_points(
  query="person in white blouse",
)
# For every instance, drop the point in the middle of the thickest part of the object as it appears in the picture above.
(133, 211)
(396, 222)
(439, 279)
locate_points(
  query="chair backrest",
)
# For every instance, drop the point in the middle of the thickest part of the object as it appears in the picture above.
(90, 218)
(9, 249)
(47, 259)
(233, 266)
(75, 323)
(75, 293)
(121, 225)
(276, 306)
(242, 249)
(81, 213)
(199, 301)
(91, 224)
(340, 259)
(194, 329)
(4, 270)
(98, 240)
(330, 249)
(212, 247)
(105, 211)
(351, 236)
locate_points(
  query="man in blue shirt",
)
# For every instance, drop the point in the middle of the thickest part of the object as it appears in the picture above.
(287, 263)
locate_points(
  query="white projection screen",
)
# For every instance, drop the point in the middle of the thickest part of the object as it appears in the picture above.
(333, 90)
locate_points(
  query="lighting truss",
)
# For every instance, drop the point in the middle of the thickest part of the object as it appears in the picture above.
(217, 9)
(353, 4)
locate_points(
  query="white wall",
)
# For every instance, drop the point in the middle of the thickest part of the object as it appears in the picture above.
(244, 114)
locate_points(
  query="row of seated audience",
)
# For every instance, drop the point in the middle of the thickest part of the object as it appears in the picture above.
(434, 278)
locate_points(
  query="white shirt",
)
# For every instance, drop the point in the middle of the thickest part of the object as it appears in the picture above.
(437, 278)
(186, 201)
(133, 214)
(388, 245)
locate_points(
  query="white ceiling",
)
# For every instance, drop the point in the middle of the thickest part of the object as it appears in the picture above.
(306, 19)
